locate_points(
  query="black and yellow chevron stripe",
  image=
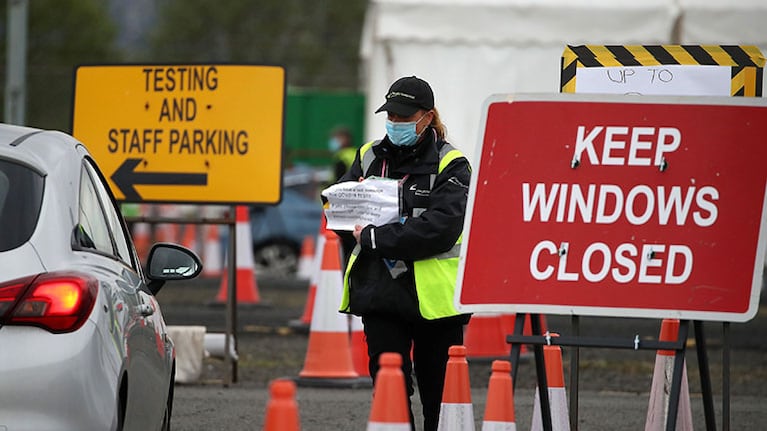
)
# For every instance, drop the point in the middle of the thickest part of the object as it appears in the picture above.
(747, 62)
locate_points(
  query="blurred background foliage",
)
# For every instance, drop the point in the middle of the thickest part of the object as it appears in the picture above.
(61, 34)
(316, 40)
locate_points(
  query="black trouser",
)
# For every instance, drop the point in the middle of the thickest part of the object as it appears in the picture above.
(430, 340)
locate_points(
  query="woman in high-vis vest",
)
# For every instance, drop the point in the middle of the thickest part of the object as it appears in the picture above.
(400, 277)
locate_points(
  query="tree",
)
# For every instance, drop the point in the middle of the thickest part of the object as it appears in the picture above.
(316, 41)
(61, 35)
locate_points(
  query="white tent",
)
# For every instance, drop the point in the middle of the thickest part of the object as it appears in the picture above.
(470, 49)
(723, 22)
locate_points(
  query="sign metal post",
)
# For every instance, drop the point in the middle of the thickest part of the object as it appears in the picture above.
(231, 304)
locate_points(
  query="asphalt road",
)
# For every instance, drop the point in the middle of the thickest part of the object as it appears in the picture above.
(242, 407)
(614, 384)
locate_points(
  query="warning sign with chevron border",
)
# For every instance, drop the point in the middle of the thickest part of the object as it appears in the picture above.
(672, 70)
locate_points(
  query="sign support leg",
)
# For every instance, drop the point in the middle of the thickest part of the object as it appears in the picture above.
(516, 348)
(676, 379)
(540, 370)
(231, 301)
(705, 376)
(726, 376)
(233, 288)
(574, 364)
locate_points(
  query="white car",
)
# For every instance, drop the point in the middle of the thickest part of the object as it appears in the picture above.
(83, 344)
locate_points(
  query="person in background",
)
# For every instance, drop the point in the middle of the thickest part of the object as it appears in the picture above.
(340, 144)
(401, 276)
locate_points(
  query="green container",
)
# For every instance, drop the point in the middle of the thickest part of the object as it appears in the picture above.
(311, 116)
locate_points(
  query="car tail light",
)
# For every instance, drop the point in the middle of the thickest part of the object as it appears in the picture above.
(58, 301)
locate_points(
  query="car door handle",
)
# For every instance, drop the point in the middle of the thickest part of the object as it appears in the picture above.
(145, 310)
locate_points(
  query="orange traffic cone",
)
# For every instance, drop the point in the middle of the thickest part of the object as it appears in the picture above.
(142, 240)
(189, 237)
(245, 282)
(657, 411)
(509, 321)
(485, 337)
(555, 379)
(389, 411)
(282, 409)
(167, 232)
(211, 259)
(360, 356)
(328, 356)
(306, 260)
(456, 412)
(303, 322)
(499, 408)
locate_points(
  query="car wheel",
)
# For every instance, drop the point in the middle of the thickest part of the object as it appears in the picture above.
(278, 259)
(122, 400)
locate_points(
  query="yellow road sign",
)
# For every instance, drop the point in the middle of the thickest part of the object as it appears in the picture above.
(184, 133)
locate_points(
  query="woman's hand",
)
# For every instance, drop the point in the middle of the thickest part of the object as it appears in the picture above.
(357, 232)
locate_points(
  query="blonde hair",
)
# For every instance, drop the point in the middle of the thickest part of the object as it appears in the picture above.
(439, 127)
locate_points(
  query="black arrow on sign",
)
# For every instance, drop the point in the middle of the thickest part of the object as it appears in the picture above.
(126, 177)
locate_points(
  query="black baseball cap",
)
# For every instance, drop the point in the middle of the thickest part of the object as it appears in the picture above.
(407, 95)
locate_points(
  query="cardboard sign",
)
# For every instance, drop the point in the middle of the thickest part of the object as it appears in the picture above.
(201, 133)
(615, 206)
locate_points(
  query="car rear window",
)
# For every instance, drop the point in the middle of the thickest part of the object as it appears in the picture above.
(21, 194)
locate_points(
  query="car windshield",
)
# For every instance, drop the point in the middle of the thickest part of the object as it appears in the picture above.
(21, 193)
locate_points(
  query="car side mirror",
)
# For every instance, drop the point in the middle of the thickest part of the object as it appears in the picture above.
(168, 261)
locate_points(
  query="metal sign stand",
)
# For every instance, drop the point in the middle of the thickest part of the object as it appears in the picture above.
(539, 339)
(231, 302)
(726, 376)
(231, 268)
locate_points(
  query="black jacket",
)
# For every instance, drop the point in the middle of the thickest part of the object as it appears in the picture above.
(432, 222)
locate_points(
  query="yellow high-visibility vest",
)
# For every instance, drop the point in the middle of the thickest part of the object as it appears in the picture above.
(346, 156)
(435, 277)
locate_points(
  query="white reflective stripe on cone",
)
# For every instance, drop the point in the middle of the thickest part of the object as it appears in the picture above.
(498, 426)
(317, 262)
(560, 419)
(212, 253)
(657, 412)
(244, 240)
(456, 417)
(325, 316)
(306, 262)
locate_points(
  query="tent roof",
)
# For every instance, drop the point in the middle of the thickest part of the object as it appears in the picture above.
(723, 22)
(520, 21)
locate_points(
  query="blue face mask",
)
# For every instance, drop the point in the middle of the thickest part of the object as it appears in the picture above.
(403, 134)
(334, 144)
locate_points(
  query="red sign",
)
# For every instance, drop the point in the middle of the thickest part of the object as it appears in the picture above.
(615, 206)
